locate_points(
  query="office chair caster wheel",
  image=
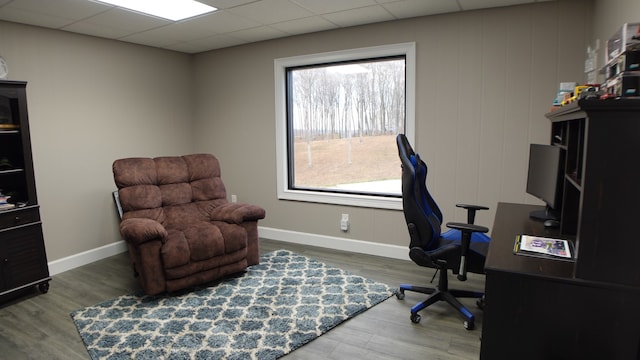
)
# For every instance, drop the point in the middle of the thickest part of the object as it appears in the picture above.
(415, 318)
(480, 303)
(399, 295)
(43, 287)
(469, 325)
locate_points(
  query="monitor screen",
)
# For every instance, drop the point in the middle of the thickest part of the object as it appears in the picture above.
(544, 179)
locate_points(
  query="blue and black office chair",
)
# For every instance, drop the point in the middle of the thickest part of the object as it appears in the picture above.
(462, 249)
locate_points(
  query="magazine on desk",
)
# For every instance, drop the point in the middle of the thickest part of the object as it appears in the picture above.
(544, 247)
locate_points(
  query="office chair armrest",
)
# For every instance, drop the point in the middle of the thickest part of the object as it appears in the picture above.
(465, 242)
(464, 227)
(474, 207)
(471, 211)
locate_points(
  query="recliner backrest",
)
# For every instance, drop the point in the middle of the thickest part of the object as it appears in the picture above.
(172, 189)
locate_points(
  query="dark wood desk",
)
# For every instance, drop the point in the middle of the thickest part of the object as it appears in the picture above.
(537, 309)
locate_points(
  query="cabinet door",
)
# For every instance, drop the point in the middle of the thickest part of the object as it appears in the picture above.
(23, 260)
(608, 243)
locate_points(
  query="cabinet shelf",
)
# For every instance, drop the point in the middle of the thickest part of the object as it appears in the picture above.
(11, 171)
(573, 180)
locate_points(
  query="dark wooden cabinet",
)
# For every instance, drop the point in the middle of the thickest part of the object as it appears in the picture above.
(537, 308)
(601, 187)
(23, 260)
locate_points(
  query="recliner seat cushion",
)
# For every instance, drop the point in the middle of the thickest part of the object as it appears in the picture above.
(200, 241)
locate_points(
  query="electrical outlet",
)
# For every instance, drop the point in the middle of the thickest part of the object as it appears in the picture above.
(344, 222)
(234, 198)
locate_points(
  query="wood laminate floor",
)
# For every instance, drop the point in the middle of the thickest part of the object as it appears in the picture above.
(36, 326)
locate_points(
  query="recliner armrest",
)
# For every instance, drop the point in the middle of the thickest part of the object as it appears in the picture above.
(140, 230)
(237, 213)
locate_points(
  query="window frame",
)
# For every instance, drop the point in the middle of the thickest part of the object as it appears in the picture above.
(408, 50)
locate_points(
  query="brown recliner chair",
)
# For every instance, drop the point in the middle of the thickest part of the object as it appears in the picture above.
(179, 227)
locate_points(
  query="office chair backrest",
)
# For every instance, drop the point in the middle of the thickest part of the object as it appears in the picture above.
(421, 213)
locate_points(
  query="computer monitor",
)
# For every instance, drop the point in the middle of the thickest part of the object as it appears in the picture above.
(544, 179)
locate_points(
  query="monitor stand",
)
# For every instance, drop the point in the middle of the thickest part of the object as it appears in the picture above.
(546, 214)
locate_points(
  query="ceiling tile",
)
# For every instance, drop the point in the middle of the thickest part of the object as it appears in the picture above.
(359, 16)
(210, 43)
(259, 34)
(330, 6)
(220, 22)
(236, 21)
(93, 29)
(270, 12)
(483, 4)
(305, 25)
(116, 23)
(186, 31)
(160, 37)
(63, 10)
(413, 8)
(32, 18)
(226, 4)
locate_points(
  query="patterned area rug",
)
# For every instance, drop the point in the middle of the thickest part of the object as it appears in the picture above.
(274, 308)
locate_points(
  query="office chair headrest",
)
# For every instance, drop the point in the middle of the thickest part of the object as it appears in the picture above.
(404, 148)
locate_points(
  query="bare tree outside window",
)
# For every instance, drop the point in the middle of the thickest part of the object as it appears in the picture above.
(342, 122)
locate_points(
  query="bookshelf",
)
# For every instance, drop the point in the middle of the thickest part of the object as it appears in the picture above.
(23, 260)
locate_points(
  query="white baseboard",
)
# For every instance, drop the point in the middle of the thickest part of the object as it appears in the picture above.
(331, 242)
(337, 243)
(86, 257)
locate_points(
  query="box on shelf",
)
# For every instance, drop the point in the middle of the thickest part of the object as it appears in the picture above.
(625, 84)
(627, 38)
(565, 88)
(629, 61)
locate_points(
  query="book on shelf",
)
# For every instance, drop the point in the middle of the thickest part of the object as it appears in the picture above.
(7, 206)
(529, 245)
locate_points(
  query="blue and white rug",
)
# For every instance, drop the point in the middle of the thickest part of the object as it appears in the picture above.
(274, 308)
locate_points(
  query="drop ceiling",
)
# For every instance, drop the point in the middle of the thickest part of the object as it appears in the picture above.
(236, 22)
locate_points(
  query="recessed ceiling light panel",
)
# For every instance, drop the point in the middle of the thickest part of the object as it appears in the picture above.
(174, 10)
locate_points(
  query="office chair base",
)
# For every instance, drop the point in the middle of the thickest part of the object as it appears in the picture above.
(435, 295)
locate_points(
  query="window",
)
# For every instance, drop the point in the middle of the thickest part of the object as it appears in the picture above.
(337, 117)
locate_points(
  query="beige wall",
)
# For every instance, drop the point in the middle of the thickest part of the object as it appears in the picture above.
(90, 102)
(485, 81)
